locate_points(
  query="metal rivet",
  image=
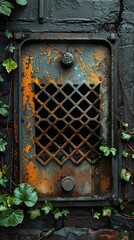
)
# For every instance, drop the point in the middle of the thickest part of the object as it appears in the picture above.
(67, 59)
(68, 183)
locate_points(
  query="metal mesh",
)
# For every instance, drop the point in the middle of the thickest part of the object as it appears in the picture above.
(67, 123)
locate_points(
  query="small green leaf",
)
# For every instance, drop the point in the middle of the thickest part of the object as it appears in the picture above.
(126, 136)
(3, 208)
(9, 64)
(57, 214)
(132, 156)
(4, 109)
(125, 175)
(3, 198)
(8, 34)
(25, 193)
(11, 218)
(113, 151)
(120, 200)
(1, 79)
(125, 125)
(97, 215)
(3, 181)
(124, 154)
(107, 211)
(47, 207)
(105, 150)
(10, 201)
(3, 144)
(5, 7)
(34, 213)
(10, 48)
(22, 2)
(4, 170)
(64, 212)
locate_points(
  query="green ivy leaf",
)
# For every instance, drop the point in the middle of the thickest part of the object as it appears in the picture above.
(3, 181)
(3, 208)
(3, 198)
(120, 200)
(25, 193)
(105, 150)
(34, 213)
(10, 201)
(124, 154)
(126, 136)
(107, 211)
(125, 175)
(9, 64)
(8, 34)
(5, 7)
(64, 212)
(4, 170)
(4, 109)
(47, 207)
(113, 151)
(132, 156)
(3, 144)
(97, 215)
(57, 214)
(10, 48)
(125, 125)
(21, 2)
(1, 79)
(11, 218)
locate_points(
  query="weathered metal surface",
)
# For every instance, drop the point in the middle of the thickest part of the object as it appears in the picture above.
(65, 116)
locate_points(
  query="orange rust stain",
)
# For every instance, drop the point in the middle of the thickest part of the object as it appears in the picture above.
(37, 178)
(104, 184)
(100, 54)
(28, 94)
(27, 148)
(16, 130)
(28, 125)
(94, 77)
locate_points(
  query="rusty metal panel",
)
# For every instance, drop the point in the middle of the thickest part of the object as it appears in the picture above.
(65, 116)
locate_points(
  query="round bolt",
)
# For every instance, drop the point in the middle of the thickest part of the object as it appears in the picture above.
(68, 183)
(67, 59)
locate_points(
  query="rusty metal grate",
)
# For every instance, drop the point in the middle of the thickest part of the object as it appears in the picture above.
(67, 123)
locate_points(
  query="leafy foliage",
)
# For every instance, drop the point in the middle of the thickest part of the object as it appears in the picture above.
(107, 211)
(1, 79)
(125, 175)
(97, 215)
(10, 48)
(34, 213)
(9, 64)
(25, 193)
(4, 108)
(11, 217)
(126, 136)
(47, 207)
(6, 7)
(8, 34)
(124, 154)
(107, 150)
(3, 144)
(57, 213)
(22, 2)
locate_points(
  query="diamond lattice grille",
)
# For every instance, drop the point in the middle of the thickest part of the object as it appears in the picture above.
(67, 125)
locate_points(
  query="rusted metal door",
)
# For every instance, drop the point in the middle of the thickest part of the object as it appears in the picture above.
(65, 116)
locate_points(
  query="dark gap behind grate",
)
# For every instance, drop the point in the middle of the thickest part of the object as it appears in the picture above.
(67, 122)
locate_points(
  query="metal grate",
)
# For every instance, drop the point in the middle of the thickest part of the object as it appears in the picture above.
(67, 123)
